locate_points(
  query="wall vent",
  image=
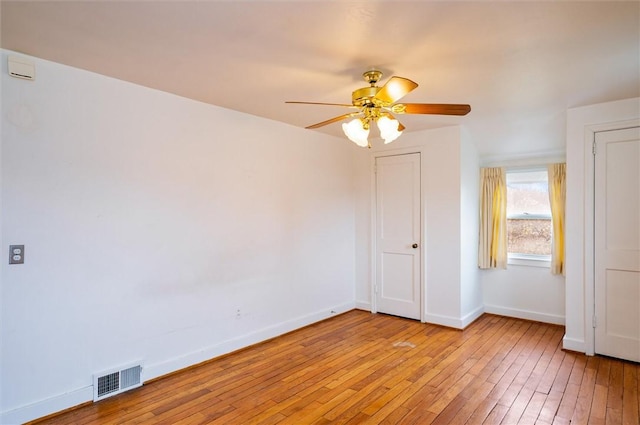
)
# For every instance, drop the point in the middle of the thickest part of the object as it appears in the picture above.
(20, 67)
(116, 381)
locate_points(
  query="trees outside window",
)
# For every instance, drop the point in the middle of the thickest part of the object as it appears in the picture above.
(529, 227)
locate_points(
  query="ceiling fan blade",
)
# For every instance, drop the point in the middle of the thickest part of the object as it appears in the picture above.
(394, 89)
(332, 120)
(434, 108)
(321, 103)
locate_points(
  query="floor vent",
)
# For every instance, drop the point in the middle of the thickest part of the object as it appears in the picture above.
(116, 381)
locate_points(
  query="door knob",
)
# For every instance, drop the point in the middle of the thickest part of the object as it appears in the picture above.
(415, 245)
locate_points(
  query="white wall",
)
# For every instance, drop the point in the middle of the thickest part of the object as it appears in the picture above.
(581, 124)
(448, 211)
(531, 293)
(363, 205)
(159, 229)
(442, 226)
(471, 288)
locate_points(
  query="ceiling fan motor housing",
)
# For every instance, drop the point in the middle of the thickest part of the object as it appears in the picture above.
(365, 96)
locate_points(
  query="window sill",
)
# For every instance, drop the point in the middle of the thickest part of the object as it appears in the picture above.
(542, 261)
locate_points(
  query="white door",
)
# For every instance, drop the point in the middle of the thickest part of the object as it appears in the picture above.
(617, 243)
(397, 283)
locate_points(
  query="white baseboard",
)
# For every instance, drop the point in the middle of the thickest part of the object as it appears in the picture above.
(574, 344)
(363, 305)
(525, 314)
(82, 395)
(472, 317)
(159, 369)
(454, 322)
(47, 406)
(451, 322)
(448, 321)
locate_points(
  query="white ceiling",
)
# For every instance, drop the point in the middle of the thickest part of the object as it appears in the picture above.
(519, 65)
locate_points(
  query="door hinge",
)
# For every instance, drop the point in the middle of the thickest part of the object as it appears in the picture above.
(593, 147)
(375, 289)
(594, 321)
(375, 168)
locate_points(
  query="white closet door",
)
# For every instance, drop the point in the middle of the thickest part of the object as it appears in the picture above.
(617, 243)
(397, 288)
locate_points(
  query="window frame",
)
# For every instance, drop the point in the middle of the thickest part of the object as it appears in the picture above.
(523, 259)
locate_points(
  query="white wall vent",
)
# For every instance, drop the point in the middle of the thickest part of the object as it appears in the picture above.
(116, 381)
(21, 68)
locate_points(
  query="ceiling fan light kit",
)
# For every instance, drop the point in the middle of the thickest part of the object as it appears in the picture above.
(388, 129)
(377, 104)
(357, 131)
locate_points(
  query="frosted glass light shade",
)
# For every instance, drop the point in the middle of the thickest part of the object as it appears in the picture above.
(356, 132)
(388, 129)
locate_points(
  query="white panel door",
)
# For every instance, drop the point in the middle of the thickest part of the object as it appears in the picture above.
(397, 286)
(617, 244)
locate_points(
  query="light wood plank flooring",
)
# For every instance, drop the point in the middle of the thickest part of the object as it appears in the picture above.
(362, 368)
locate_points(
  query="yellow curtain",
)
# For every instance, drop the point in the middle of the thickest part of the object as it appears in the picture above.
(492, 252)
(557, 199)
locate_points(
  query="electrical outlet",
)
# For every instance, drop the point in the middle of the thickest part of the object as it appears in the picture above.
(16, 254)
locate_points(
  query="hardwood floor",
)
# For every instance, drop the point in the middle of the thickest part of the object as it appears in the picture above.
(360, 368)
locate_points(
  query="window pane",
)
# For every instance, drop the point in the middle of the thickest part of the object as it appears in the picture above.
(528, 193)
(529, 213)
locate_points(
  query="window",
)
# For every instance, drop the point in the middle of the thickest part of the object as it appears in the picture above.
(528, 217)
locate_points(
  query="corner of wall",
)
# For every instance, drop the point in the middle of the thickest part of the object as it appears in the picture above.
(455, 322)
(572, 344)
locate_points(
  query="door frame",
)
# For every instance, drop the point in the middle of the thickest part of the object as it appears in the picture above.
(590, 133)
(373, 234)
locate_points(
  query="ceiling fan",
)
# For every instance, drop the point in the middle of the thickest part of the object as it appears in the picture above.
(378, 104)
